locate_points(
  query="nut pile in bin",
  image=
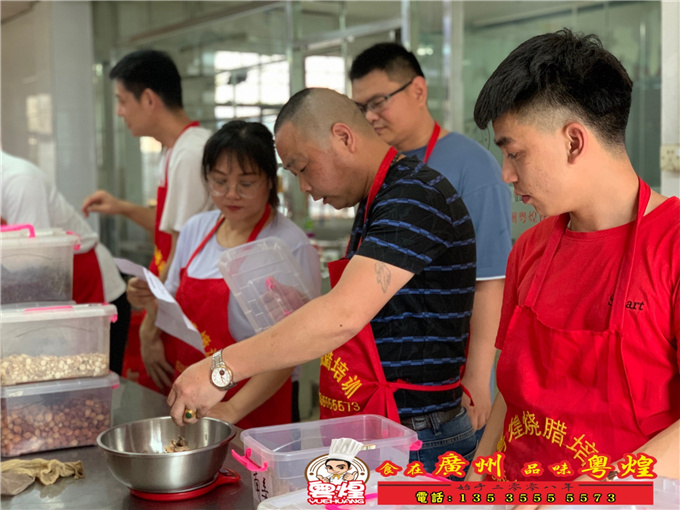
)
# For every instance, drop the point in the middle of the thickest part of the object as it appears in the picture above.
(54, 357)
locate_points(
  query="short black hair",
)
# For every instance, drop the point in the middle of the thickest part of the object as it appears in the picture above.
(250, 144)
(291, 108)
(561, 70)
(349, 464)
(392, 58)
(150, 69)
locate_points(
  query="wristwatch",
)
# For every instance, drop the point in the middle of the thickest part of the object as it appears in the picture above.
(221, 375)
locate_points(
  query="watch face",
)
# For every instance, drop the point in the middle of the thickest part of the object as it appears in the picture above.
(221, 377)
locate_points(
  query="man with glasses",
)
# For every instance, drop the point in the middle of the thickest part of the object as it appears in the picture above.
(389, 87)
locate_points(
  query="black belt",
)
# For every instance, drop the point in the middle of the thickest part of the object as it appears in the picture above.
(425, 421)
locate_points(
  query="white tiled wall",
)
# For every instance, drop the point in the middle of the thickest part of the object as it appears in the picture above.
(47, 94)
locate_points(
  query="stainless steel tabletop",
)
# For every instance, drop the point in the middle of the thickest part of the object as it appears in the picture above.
(99, 490)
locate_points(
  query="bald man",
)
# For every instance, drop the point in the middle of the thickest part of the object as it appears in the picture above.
(392, 332)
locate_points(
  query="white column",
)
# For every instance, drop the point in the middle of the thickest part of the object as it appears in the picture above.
(48, 94)
(670, 88)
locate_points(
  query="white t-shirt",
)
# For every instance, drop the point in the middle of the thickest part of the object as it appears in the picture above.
(205, 266)
(28, 196)
(187, 191)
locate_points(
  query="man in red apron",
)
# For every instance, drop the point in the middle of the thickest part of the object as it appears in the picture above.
(389, 86)
(149, 92)
(589, 331)
(392, 332)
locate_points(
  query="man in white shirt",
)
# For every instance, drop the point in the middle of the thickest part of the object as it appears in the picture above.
(149, 91)
(28, 196)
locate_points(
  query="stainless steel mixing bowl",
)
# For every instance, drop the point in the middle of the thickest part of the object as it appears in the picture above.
(156, 471)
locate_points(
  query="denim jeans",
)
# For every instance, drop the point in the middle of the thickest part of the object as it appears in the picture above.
(456, 435)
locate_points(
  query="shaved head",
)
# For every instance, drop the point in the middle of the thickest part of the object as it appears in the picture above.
(314, 111)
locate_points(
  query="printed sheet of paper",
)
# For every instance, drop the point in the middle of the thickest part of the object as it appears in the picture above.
(170, 317)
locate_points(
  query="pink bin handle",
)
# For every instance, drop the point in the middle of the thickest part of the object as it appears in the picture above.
(416, 445)
(77, 245)
(247, 462)
(10, 228)
(48, 308)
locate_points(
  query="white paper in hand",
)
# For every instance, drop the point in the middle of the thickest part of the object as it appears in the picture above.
(170, 317)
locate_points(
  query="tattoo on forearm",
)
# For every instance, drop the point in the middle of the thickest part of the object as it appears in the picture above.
(383, 275)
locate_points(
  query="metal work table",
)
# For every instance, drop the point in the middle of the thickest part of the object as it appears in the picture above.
(99, 490)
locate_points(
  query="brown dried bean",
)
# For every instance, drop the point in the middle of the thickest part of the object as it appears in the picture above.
(54, 426)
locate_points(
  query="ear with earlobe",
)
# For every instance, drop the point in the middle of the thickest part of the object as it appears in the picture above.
(577, 137)
(419, 89)
(342, 133)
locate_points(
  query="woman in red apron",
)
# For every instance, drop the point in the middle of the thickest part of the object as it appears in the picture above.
(569, 390)
(240, 167)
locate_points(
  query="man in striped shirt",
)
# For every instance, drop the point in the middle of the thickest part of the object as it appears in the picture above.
(397, 318)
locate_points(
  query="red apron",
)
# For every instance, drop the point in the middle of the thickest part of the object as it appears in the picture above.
(209, 317)
(432, 142)
(163, 240)
(567, 391)
(352, 380)
(133, 366)
(87, 278)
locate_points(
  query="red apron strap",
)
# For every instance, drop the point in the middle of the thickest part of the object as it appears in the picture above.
(550, 249)
(432, 142)
(253, 235)
(617, 315)
(167, 159)
(260, 224)
(377, 183)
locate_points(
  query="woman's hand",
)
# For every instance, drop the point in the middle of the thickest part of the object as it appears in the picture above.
(140, 296)
(153, 354)
(224, 411)
(193, 390)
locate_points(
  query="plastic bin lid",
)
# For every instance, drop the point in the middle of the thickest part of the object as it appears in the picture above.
(43, 238)
(60, 386)
(253, 269)
(56, 312)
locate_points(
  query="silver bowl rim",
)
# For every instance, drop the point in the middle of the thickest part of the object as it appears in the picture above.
(225, 441)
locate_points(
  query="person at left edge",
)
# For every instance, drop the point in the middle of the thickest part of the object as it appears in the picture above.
(149, 92)
(393, 329)
(28, 196)
(239, 165)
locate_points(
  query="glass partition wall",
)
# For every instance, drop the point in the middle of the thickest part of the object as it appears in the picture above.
(242, 60)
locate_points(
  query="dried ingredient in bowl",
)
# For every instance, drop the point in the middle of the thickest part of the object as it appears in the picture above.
(177, 445)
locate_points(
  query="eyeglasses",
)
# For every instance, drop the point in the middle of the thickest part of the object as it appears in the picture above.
(220, 187)
(377, 104)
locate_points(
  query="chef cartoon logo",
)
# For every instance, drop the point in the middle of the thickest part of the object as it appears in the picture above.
(338, 478)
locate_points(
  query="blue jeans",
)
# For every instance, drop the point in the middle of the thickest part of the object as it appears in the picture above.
(456, 435)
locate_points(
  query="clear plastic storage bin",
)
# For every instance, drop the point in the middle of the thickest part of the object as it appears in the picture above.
(58, 414)
(61, 342)
(37, 266)
(278, 456)
(266, 280)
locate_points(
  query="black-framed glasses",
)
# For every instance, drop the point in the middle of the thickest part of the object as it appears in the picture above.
(377, 104)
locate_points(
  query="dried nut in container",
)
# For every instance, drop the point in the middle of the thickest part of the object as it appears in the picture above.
(43, 426)
(21, 368)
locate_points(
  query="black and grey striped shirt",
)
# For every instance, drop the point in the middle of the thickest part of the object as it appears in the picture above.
(419, 223)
